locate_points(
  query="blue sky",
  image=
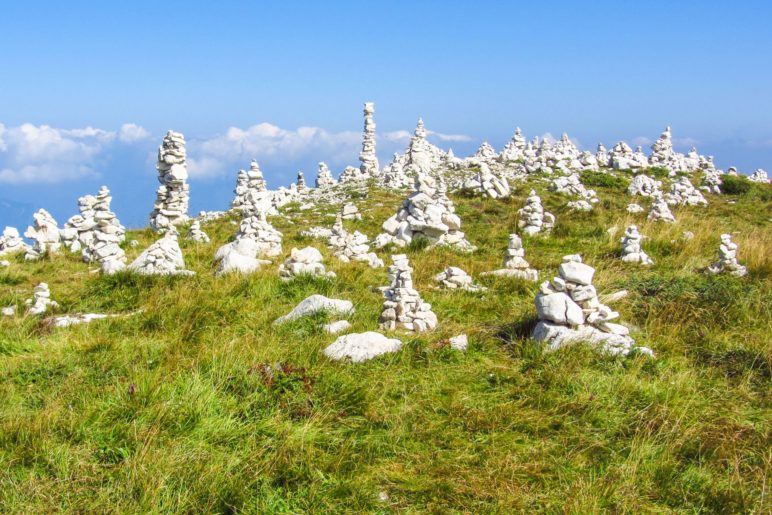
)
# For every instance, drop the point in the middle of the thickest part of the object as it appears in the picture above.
(89, 88)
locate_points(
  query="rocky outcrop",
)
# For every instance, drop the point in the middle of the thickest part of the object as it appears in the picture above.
(683, 193)
(644, 186)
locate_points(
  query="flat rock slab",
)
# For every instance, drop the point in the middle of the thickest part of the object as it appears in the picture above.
(360, 347)
(314, 304)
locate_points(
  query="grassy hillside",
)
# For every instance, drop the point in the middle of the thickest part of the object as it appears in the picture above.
(199, 403)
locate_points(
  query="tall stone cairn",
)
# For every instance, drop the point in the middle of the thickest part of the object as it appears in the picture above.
(367, 157)
(171, 205)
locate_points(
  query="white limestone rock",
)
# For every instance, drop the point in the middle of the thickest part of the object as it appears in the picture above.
(727, 259)
(306, 261)
(4, 263)
(663, 155)
(660, 211)
(196, 234)
(634, 208)
(324, 178)
(172, 197)
(513, 150)
(631, 247)
(349, 247)
(11, 242)
(360, 347)
(572, 185)
(45, 235)
(315, 304)
(368, 157)
(422, 156)
(251, 193)
(256, 238)
(644, 186)
(8, 311)
(486, 183)
(353, 176)
(337, 327)
(164, 257)
(40, 301)
(459, 343)
(532, 218)
(758, 176)
(683, 193)
(515, 264)
(455, 278)
(403, 308)
(350, 212)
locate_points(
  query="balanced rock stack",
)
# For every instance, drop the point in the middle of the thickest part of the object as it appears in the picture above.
(256, 237)
(351, 246)
(350, 212)
(572, 185)
(427, 213)
(250, 190)
(663, 155)
(324, 178)
(368, 157)
(40, 301)
(758, 176)
(727, 258)
(307, 261)
(164, 257)
(422, 156)
(403, 307)
(44, 232)
(602, 156)
(353, 175)
(11, 242)
(644, 186)
(301, 186)
(711, 180)
(195, 233)
(102, 242)
(683, 193)
(660, 211)
(487, 183)
(513, 150)
(631, 247)
(532, 218)
(515, 264)
(395, 174)
(171, 205)
(485, 154)
(622, 157)
(455, 278)
(569, 311)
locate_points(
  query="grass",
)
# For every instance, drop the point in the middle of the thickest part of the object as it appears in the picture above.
(197, 402)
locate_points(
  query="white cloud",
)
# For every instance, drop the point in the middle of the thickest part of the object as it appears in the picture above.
(131, 133)
(641, 141)
(404, 136)
(685, 142)
(41, 153)
(448, 137)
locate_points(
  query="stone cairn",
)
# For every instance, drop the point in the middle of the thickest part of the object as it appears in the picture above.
(301, 186)
(727, 259)
(487, 183)
(250, 188)
(351, 246)
(602, 156)
(631, 247)
(195, 233)
(634, 208)
(353, 175)
(644, 186)
(11, 242)
(572, 185)
(426, 213)
(324, 178)
(403, 307)
(758, 176)
(164, 257)
(395, 175)
(711, 180)
(660, 211)
(256, 237)
(307, 261)
(171, 205)
(515, 264)
(44, 232)
(663, 155)
(422, 156)
(350, 212)
(532, 218)
(368, 157)
(683, 193)
(455, 278)
(513, 150)
(94, 216)
(40, 301)
(569, 311)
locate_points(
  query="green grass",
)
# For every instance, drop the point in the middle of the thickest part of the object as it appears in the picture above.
(198, 402)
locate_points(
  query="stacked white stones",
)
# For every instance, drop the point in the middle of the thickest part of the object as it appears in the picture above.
(513, 151)
(711, 181)
(422, 156)
(44, 233)
(515, 264)
(485, 154)
(350, 212)
(195, 233)
(622, 157)
(307, 261)
(644, 186)
(632, 252)
(660, 211)
(683, 193)
(256, 237)
(301, 186)
(602, 156)
(40, 301)
(172, 196)
(532, 218)
(164, 257)
(426, 213)
(353, 175)
(101, 244)
(403, 308)
(351, 246)
(758, 176)
(368, 159)
(487, 183)
(455, 278)
(663, 155)
(11, 242)
(634, 208)
(395, 175)
(569, 311)
(251, 193)
(572, 185)
(727, 259)
(324, 178)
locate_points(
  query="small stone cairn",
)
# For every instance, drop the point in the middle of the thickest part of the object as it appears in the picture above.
(487, 183)
(306, 261)
(351, 246)
(403, 308)
(727, 259)
(532, 218)
(324, 178)
(644, 186)
(660, 211)
(45, 235)
(196, 234)
(631, 247)
(164, 257)
(251, 190)
(256, 237)
(172, 196)
(455, 278)
(683, 193)
(40, 301)
(11, 242)
(515, 264)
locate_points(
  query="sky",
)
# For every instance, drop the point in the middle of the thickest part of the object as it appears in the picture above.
(88, 89)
